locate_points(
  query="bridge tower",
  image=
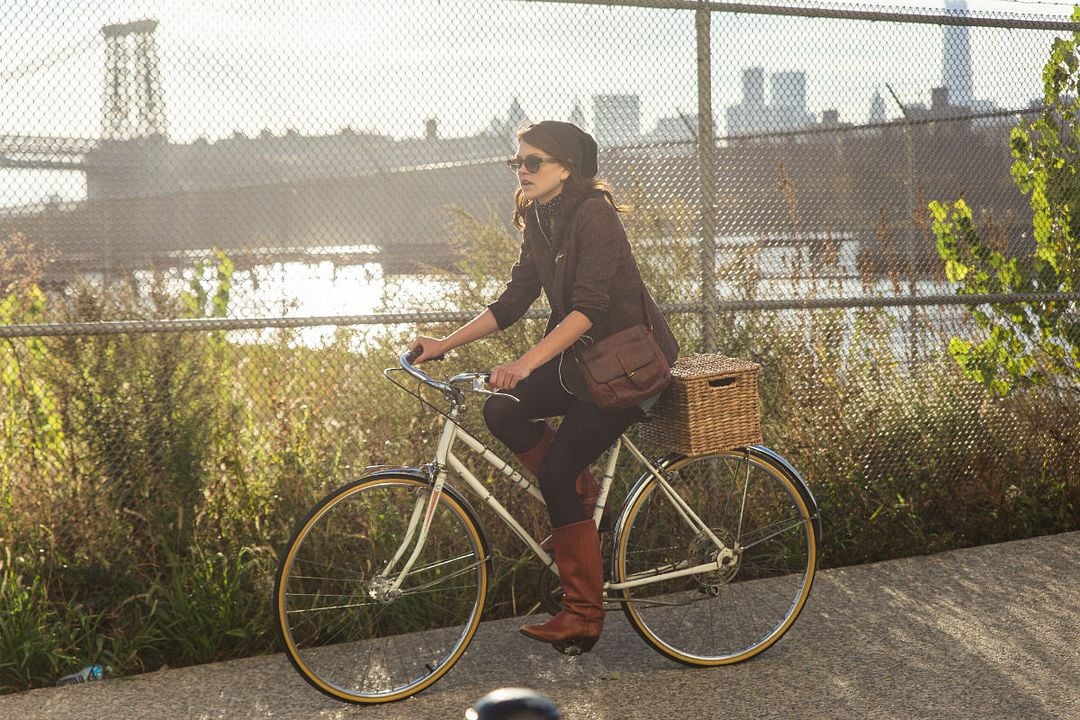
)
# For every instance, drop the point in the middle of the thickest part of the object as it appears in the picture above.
(133, 103)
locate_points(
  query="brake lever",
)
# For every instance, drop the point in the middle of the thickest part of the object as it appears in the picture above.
(496, 393)
(481, 380)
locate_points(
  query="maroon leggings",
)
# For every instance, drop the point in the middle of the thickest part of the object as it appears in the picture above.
(586, 431)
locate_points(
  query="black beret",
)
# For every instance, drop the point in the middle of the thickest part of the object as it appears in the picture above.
(578, 144)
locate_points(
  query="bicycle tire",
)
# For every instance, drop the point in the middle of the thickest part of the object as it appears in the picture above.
(342, 628)
(731, 614)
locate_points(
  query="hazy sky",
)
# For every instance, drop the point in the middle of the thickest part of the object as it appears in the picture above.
(319, 65)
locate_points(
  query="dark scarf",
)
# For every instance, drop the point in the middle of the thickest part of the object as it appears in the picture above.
(546, 214)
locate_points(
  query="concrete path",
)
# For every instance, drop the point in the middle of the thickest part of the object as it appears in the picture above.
(990, 632)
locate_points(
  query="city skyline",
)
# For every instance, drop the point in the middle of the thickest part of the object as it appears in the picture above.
(389, 69)
(455, 96)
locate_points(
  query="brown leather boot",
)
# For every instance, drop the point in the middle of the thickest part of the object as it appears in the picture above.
(577, 628)
(588, 490)
(531, 459)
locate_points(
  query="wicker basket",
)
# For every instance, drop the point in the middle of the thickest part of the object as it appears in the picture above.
(711, 405)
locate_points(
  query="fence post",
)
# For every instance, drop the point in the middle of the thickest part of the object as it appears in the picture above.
(909, 220)
(706, 146)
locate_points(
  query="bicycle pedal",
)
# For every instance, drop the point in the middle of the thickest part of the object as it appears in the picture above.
(568, 649)
(573, 648)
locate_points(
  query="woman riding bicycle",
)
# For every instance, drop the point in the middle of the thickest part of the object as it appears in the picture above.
(574, 247)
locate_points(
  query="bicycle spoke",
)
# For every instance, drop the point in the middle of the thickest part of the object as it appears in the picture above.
(770, 531)
(347, 629)
(749, 572)
(427, 586)
(322, 608)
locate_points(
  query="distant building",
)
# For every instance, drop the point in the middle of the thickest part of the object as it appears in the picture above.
(957, 117)
(877, 109)
(749, 115)
(753, 83)
(789, 91)
(788, 100)
(916, 110)
(153, 166)
(941, 106)
(673, 136)
(617, 120)
(956, 58)
(983, 107)
(577, 116)
(785, 110)
(507, 126)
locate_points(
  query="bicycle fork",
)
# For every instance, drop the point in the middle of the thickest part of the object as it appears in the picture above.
(419, 523)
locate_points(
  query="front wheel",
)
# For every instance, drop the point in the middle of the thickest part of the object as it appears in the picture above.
(348, 625)
(758, 577)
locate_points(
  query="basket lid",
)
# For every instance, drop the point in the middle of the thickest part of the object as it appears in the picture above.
(710, 364)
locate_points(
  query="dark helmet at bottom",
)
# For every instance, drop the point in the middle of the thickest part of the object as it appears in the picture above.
(513, 704)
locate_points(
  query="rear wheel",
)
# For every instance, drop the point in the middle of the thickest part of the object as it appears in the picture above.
(756, 585)
(345, 626)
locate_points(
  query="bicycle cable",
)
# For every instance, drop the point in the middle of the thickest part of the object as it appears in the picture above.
(419, 396)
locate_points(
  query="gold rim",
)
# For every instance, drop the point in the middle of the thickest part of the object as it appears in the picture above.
(779, 631)
(294, 652)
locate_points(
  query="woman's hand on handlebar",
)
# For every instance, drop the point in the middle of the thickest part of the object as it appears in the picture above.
(425, 348)
(506, 377)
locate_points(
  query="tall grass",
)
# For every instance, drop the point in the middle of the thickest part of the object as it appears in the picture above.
(148, 481)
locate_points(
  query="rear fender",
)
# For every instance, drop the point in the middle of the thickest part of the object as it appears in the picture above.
(804, 490)
(759, 451)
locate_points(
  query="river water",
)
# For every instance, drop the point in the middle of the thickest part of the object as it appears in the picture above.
(323, 289)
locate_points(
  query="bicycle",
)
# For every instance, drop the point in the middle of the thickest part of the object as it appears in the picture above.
(382, 587)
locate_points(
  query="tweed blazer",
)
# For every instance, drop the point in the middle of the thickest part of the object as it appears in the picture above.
(585, 265)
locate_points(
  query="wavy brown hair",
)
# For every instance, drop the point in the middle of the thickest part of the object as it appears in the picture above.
(576, 187)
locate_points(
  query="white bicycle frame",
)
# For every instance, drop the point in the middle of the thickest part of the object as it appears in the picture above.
(446, 458)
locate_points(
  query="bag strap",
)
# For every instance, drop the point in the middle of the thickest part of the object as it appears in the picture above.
(645, 320)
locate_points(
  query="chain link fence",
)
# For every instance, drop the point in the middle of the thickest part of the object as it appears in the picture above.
(221, 221)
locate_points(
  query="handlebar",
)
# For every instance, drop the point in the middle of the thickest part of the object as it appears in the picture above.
(406, 364)
(473, 382)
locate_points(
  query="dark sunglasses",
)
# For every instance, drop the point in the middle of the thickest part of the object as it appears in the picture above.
(532, 163)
